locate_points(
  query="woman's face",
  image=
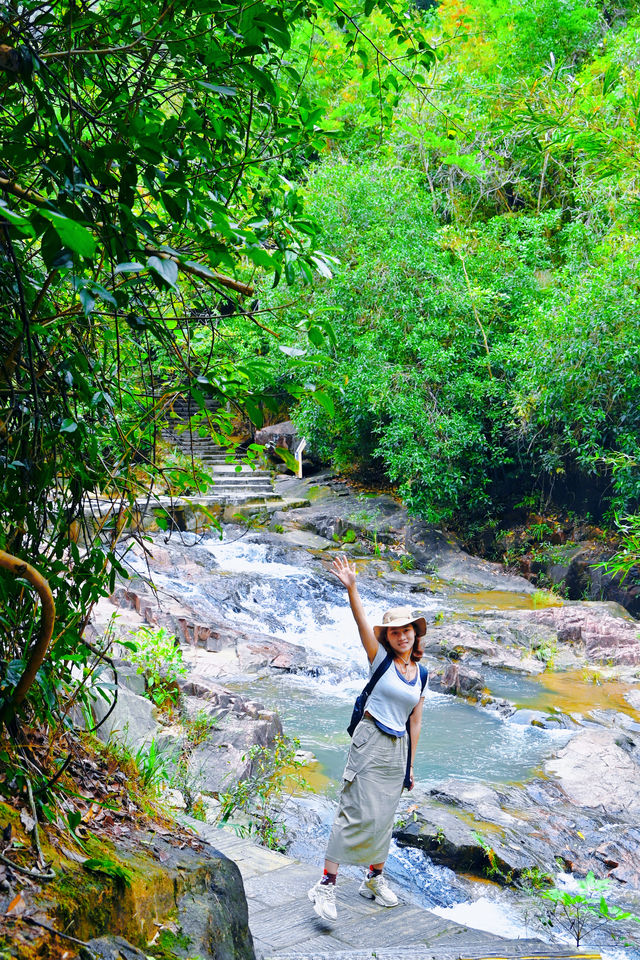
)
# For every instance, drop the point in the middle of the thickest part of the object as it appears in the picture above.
(401, 639)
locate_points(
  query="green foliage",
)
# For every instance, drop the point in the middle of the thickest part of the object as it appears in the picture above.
(148, 768)
(170, 943)
(158, 656)
(543, 598)
(410, 374)
(546, 650)
(147, 167)
(581, 913)
(152, 766)
(367, 519)
(111, 868)
(405, 564)
(260, 798)
(627, 559)
(198, 727)
(257, 519)
(484, 304)
(457, 370)
(534, 878)
(577, 389)
(492, 868)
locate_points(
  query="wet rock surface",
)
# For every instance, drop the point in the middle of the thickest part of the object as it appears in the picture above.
(502, 833)
(604, 631)
(110, 948)
(600, 769)
(458, 680)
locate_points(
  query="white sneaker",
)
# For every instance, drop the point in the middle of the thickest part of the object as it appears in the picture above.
(323, 898)
(377, 888)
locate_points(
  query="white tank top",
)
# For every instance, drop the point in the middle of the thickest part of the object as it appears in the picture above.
(393, 697)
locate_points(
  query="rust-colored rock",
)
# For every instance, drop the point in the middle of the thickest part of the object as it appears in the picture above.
(606, 638)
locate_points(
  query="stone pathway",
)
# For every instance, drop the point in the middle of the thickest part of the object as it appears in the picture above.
(284, 926)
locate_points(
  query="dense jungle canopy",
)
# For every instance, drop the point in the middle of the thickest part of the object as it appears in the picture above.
(412, 227)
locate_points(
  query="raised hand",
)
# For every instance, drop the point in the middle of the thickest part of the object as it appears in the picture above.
(346, 574)
(344, 571)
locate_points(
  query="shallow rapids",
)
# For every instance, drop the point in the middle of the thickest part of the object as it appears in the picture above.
(303, 606)
(287, 593)
(458, 740)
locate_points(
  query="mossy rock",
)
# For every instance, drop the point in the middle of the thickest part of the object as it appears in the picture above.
(135, 888)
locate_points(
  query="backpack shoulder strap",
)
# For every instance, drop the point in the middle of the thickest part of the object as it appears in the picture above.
(377, 673)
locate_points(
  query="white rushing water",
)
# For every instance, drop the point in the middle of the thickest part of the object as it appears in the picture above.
(305, 608)
(490, 915)
(237, 555)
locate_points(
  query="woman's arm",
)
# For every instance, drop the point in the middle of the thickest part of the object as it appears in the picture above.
(346, 574)
(415, 723)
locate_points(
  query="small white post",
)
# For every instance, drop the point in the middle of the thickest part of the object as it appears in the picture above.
(298, 456)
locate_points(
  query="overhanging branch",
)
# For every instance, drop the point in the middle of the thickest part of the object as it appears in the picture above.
(193, 269)
(19, 568)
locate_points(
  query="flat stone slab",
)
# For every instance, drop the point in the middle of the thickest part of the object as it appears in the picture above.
(284, 926)
(303, 538)
(418, 953)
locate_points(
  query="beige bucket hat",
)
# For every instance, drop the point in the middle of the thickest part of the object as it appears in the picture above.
(400, 617)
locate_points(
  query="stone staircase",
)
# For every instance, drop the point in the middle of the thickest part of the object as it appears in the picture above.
(284, 926)
(233, 482)
(237, 483)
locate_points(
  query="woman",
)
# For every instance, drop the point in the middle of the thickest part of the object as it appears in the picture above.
(377, 761)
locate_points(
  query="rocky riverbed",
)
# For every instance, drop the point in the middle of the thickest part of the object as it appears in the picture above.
(262, 603)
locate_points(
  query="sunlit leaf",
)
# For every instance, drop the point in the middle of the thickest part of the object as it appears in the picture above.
(72, 234)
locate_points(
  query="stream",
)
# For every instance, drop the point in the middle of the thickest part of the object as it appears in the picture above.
(285, 591)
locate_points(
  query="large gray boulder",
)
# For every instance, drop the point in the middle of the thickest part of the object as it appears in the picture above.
(132, 721)
(481, 849)
(279, 435)
(224, 758)
(433, 550)
(600, 768)
(459, 680)
(181, 894)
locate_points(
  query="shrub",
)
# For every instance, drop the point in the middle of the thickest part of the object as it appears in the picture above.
(262, 795)
(159, 657)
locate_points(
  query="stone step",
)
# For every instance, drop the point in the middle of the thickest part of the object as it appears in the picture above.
(204, 453)
(202, 448)
(237, 479)
(511, 950)
(231, 476)
(220, 457)
(235, 499)
(238, 493)
(238, 469)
